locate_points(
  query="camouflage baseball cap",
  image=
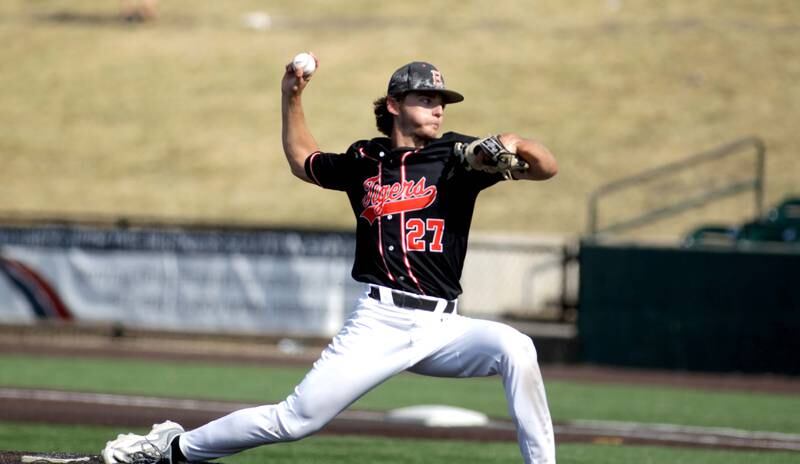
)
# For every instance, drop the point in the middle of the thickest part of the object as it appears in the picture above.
(419, 76)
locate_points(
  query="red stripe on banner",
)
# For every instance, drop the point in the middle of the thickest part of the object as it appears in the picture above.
(43, 289)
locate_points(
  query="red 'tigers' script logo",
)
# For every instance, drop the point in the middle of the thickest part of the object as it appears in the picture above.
(399, 197)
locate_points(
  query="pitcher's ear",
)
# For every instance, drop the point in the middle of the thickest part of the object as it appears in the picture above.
(393, 105)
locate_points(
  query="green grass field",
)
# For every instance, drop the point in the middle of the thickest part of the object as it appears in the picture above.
(179, 119)
(350, 450)
(569, 400)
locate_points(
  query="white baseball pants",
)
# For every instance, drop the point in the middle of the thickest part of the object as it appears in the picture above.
(378, 341)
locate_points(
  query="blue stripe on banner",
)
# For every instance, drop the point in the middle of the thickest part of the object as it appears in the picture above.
(30, 294)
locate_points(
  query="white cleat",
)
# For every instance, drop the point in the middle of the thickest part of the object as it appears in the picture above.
(153, 448)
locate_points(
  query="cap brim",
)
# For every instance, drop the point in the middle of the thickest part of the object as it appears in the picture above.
(450, 96)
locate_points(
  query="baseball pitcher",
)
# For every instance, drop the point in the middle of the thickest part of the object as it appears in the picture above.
(412, 193)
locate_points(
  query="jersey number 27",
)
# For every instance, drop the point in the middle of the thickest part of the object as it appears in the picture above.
(415, 236)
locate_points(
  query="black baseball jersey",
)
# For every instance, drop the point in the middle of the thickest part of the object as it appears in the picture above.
(413, 208)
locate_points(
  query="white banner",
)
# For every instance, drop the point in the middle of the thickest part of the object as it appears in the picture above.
(243, 281)
(286, 291)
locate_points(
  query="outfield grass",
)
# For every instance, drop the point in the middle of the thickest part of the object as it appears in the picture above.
(345, 450)
(179, 119)
(568, 400)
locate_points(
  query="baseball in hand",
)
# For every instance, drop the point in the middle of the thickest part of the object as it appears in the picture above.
(306, 62)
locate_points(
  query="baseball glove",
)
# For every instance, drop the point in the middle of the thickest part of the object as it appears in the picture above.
(490, 155)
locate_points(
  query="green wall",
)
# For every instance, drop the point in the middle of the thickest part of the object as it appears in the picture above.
(693, 309)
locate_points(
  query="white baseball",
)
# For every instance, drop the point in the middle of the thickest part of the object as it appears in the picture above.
(305, 62)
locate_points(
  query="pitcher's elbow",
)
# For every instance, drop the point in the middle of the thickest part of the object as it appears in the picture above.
(300, 173)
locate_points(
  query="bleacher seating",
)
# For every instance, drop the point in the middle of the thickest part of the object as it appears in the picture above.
(780, 225)
(787, 212)
(720, 235)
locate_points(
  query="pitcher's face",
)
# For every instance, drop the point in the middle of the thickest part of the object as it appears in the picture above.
(420, 114)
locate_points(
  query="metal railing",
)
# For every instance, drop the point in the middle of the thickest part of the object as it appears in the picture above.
(756, 183)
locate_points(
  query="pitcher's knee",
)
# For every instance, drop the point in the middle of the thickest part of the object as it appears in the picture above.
(289, 424)
(303, 430)
(519, 348)
(301, 426)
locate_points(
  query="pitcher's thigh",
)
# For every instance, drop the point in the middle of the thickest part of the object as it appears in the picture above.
(479, 348)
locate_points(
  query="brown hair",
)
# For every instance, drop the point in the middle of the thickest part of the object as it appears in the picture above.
(384, 120)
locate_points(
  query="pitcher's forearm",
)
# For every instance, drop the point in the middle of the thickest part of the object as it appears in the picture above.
(542, 163)
(298, 143)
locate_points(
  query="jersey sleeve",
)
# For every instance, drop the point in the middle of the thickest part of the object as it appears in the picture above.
(482, 180)
(331, 170)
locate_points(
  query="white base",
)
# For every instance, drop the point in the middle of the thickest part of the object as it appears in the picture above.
(438, 416)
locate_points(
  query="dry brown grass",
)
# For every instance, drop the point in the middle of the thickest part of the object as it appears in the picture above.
(179, 119)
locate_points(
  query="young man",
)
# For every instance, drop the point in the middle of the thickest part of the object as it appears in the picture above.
(413, 195)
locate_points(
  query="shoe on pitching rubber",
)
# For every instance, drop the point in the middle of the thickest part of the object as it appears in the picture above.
(153, 448)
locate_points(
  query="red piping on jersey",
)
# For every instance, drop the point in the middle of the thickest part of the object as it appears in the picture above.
(311, 166)
(403, 223)
(366, 155)
(380, 227)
